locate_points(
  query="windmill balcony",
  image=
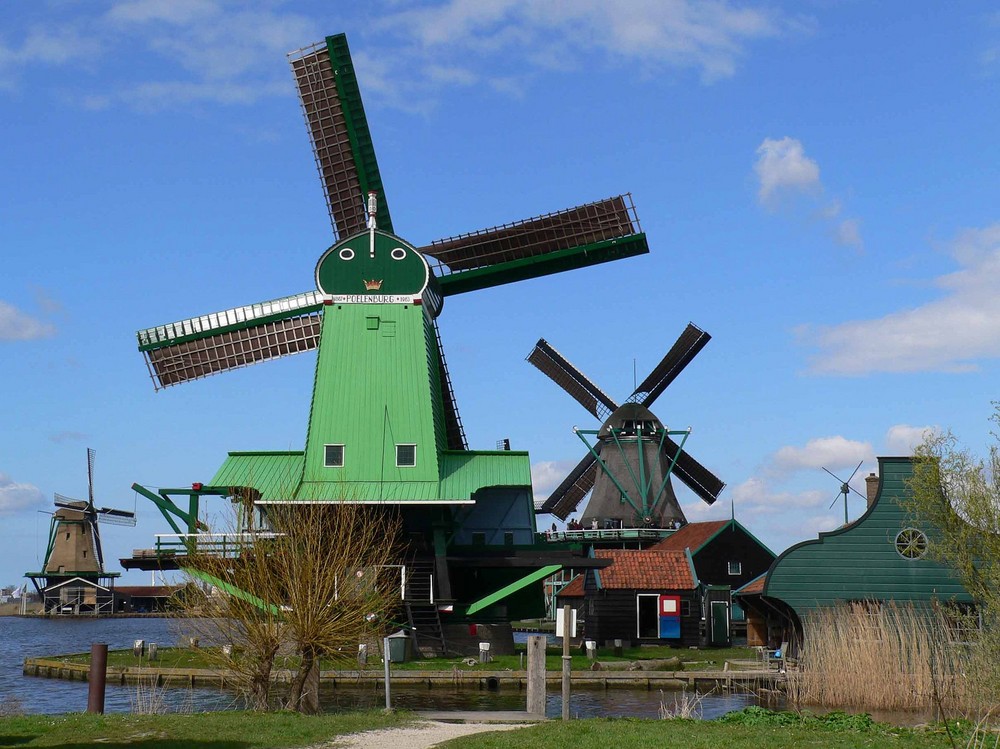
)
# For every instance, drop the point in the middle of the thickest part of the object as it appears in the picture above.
(605, 534)
(215, 544)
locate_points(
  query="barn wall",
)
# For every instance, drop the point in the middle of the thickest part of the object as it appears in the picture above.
(732, 544)
(611, 614)
(860, 561)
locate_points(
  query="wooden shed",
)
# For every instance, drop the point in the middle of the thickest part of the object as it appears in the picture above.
(644, 596)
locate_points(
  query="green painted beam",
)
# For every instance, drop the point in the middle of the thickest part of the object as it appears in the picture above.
(543, 265)
(267, 608)
(515, 586)
(357, 127)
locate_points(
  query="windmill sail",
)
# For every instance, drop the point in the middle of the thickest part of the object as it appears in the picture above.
(695, 476)
(574, 238)
(202, 346)
(338, 130)
(568, 495)
(558, 369)
(686, 348)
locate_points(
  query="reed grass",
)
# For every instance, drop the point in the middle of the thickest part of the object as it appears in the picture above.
(893, 656)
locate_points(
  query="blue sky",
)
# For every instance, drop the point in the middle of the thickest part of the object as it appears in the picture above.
(817, 181)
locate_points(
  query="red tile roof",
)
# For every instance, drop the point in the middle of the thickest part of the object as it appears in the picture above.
(646, 570)
(574, 589)
(755, 586)
(691, 536)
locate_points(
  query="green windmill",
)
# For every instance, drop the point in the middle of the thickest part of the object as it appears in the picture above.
(384, 428)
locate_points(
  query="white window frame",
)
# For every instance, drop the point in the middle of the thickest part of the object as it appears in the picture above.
(406, 444)
(738, 565)
(326, 455)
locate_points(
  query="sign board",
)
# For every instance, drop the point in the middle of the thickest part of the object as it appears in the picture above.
(561, 624)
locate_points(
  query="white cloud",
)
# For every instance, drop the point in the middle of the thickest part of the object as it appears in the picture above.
(15, 497)
(546, 475)
(782, 167)
(786, 177)
(534, 35)
(947, 334)
(17, 326)
(902, 438)
(832, 453)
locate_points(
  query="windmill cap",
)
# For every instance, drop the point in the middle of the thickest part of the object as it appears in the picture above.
(628, 412)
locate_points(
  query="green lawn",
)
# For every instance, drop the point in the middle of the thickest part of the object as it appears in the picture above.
(752, 729)
(709, 659)
(227, 730)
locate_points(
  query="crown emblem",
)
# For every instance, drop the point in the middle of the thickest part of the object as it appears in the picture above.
(373, 285)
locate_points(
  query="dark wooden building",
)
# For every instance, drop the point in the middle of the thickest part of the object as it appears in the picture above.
(644, 596)
(726, 556)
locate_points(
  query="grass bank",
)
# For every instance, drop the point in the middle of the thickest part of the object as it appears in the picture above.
(753, 728)
(228, 730)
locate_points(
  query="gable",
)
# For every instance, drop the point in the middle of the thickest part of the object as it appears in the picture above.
(692, 536)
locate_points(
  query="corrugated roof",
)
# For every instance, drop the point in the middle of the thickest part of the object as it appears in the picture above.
(692, 536)
(645, 570)
(274, 474)
(277, 476)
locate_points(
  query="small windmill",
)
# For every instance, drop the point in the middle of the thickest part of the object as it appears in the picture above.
(630, 465)
(845, 489)
(74, 546)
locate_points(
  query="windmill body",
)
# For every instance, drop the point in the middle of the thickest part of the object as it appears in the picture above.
(73, 579)
(383, 426)
(633, 461)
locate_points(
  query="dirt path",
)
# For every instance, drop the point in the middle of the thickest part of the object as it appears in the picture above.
(422, 735)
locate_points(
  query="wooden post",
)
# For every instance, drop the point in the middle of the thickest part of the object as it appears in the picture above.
(566, 659)
(536, 675)
(97, 677)
(385, 653)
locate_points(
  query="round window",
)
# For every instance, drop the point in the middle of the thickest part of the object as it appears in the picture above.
(347, 254)
(398, 254)
(911, 543)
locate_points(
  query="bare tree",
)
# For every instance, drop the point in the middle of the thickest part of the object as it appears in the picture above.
(956, 495)
(319, 582)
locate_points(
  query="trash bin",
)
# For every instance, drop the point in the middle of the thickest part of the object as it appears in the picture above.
(399, 646)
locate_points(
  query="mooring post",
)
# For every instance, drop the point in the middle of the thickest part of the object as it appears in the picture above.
(536, 675)
(97, 677)
(567, 660)
(385, 659)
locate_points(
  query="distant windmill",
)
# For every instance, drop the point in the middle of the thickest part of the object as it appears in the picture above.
(630, 466)
(845, 489)
(74, 545)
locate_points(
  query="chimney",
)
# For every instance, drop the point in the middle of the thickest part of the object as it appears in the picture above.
(871, 484)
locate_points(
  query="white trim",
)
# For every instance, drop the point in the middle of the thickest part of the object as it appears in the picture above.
(73, 580)
(656, 607)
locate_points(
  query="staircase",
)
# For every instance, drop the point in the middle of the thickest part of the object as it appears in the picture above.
(426, 631)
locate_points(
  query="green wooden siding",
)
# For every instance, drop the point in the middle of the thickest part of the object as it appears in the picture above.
(274, 474)
(860, 561)
(372, 391)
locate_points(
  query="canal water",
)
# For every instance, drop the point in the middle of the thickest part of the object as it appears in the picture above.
(22, 638)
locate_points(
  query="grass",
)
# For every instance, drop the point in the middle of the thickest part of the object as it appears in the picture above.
(693, 660)
(753, 728)
(228, 730)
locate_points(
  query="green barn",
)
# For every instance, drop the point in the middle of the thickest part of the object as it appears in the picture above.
(881, 556)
